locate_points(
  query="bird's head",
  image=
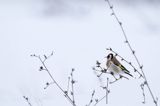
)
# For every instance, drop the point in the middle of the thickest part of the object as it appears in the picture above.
(110, 56)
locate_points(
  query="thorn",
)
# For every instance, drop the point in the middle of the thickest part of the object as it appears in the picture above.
(71, 93)
(47, 83)
(41, 68)
(98, 63)
(96, 100)
(73, 69)
(111, 73)
(133, 51)
(155, 101)
(145, 83)
(73, 102)
(33, 55)
(73, 82)
(135, 70)
(111, 7)
(126, 41)
(93, 93)
(52, 53)
(120, 23)
(93, 68)
(66, 92)
(141, 67)
(45, 56)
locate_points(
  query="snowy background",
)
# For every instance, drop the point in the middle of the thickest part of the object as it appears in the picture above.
(78, 31)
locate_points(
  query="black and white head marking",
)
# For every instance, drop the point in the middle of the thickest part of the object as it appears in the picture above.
(110, 56)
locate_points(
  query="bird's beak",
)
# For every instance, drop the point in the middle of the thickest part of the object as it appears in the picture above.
(105, 57)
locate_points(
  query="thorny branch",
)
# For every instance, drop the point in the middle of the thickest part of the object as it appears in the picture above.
(68, 85)
(144, 96)
(107, 91)
(91, 100)
(155, 100)
(72, 84)
(48, 84)
(27, 100)
(99, 100)
(44, 67)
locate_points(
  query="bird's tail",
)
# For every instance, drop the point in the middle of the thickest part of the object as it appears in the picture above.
(128, 73)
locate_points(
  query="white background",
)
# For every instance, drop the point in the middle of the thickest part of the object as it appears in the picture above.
(78, 33)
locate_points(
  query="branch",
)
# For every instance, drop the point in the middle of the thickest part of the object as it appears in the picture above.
(44, 67)
(91, 100)
(27, 100)
(107, 91)
(72, 84)
(99, 100)
(133, 51)
(144, 96)
(106, 95)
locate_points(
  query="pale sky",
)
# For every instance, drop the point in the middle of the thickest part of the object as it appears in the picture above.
(78, 34)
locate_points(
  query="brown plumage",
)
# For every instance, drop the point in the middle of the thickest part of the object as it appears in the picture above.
(112, 60)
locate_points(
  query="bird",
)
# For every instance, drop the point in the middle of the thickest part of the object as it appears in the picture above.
(115, 66)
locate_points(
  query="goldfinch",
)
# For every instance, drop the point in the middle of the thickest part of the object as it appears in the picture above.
(115, 66)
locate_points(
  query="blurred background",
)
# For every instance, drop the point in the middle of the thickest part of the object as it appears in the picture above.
(78, 31)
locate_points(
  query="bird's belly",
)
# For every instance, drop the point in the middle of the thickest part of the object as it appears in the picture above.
(114, 68)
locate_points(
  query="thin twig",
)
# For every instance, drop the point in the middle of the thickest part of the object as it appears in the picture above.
(91, 100)
(142, 87)
(107, 91)
(27, 100)
(133, 52)
(72, 84)
(98, 101)
(44, 67)
(106, 96)
(101, 69)
(48, 84)
(68, 85)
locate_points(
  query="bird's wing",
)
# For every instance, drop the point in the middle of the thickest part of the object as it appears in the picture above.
(123, 68)
(117, 63)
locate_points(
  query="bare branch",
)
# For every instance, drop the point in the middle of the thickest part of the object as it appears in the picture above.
(107, 91)
(132, 51)
(72, 84)
(91, 100)
(27, 100)
(44, 67)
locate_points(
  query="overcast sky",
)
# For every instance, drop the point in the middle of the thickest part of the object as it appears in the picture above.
(78, 33)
